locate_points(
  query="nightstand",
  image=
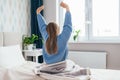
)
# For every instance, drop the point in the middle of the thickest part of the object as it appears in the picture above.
(33, 53)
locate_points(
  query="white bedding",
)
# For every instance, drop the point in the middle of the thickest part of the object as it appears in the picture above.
(25, 72)
(105, 74)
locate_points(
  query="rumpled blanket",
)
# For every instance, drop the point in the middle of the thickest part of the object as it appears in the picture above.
(66, 69)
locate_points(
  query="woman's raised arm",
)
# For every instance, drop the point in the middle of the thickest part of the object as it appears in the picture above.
(67, 28)
(41, 22)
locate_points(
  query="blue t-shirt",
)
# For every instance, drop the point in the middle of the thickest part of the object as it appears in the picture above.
(62, 39)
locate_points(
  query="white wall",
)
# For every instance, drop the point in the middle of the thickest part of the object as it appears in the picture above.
(113, 50)
(15, 16)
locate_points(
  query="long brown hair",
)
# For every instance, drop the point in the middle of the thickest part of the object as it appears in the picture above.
(51, 43)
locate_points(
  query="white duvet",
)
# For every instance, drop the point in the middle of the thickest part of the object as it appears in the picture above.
(23, 72)
(26, 72)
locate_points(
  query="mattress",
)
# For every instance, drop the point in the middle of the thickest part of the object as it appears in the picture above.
(26, 72)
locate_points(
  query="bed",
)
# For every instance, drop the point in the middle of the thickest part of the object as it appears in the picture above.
(24, 70)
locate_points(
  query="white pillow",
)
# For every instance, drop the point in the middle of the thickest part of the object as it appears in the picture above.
(11, 56)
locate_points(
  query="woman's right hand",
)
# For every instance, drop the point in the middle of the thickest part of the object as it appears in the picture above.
(39, 9)
(64, 5)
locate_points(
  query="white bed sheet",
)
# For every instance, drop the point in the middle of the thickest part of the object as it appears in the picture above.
(23, 72)
(105, 74)
(26, 72)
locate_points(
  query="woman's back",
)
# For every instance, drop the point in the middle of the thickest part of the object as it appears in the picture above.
(60, 51)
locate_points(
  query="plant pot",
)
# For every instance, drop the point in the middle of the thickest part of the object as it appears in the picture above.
(30, 46)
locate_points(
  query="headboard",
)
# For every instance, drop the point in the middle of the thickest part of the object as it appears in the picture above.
(10, 38)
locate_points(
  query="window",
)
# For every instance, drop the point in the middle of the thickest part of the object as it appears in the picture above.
(97, 20)
(105, 18)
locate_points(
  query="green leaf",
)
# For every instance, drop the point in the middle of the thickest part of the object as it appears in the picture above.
(76, 34)
(30, 40)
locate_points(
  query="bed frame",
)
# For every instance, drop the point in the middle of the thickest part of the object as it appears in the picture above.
(10, 38)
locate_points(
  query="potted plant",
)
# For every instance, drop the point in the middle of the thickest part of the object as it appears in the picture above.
(76, 35)
(28, 41)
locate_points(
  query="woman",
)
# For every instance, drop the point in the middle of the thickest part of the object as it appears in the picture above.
(55, 45)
